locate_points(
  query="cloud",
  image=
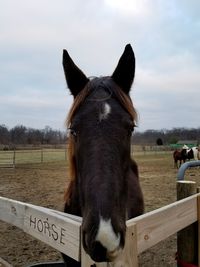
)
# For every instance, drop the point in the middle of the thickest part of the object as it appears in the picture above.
(164, 36)
(168, 95)
(129, 7)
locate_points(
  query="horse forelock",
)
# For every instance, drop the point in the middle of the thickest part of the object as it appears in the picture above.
(122, 97)
(112, 87)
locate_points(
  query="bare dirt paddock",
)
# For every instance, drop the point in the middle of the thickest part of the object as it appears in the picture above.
(44, 184)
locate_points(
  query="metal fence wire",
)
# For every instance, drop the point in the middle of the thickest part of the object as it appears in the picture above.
(14, 157)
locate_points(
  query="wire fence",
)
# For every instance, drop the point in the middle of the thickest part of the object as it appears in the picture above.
(13, 157)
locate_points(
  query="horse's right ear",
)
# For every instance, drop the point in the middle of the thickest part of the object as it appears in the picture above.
(76, 79)
(125, 70)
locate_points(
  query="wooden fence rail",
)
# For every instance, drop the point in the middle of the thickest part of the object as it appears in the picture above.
(60, 231)
(63, 231)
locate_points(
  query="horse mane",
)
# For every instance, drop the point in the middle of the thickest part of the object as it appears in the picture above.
(125, 101)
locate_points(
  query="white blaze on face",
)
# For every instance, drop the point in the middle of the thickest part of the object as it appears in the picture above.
(106, 110)
(106, 235)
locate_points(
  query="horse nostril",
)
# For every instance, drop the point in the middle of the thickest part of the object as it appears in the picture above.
(98, 253)
(101, 254)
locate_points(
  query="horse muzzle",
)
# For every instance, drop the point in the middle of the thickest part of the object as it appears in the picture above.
(104, 247)
(99, 253)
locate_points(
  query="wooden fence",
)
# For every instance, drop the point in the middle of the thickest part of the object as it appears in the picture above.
(63, 231)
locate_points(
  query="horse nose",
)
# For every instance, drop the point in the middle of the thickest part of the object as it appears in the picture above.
(102, 241)
(94, 248)
(106, 235)
(101, 254)
(97, 251)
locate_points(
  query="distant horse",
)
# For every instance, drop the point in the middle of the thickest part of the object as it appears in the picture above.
(185, 154)
(196, 153)
(104, 187)
(192, 153)
(179, 156)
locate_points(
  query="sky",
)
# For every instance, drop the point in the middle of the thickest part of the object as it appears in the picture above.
(165, 36)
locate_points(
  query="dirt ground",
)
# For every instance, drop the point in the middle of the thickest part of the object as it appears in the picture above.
(44, 184)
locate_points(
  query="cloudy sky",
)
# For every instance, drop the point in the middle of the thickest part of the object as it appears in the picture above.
(165, 36)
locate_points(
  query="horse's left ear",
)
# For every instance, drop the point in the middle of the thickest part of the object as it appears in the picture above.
(125, 70)
(76, 79)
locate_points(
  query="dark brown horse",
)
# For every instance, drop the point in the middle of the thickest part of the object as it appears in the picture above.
(180, 156)
(104, 187)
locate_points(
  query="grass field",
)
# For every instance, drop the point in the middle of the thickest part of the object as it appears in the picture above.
(13, 158)
(44, 184)
(31, 156)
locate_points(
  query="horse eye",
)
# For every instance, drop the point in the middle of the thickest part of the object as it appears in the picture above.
(73, 132)
(131, 130)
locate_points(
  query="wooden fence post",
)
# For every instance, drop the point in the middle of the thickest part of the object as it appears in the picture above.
(14, 157)
(129, 256)
(42, 155)
(187, 239)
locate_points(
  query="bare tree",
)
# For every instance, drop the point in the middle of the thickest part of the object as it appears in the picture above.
(4, 135)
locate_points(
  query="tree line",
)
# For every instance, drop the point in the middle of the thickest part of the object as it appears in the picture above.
(21, 135)
(165, 137)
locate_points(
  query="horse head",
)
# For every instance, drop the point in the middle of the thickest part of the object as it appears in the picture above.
(105, 186)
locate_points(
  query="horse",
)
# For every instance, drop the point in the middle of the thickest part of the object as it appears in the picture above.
(184, 154)
(192, 153)
(195, 154)
(104, 186)
(179, 156)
